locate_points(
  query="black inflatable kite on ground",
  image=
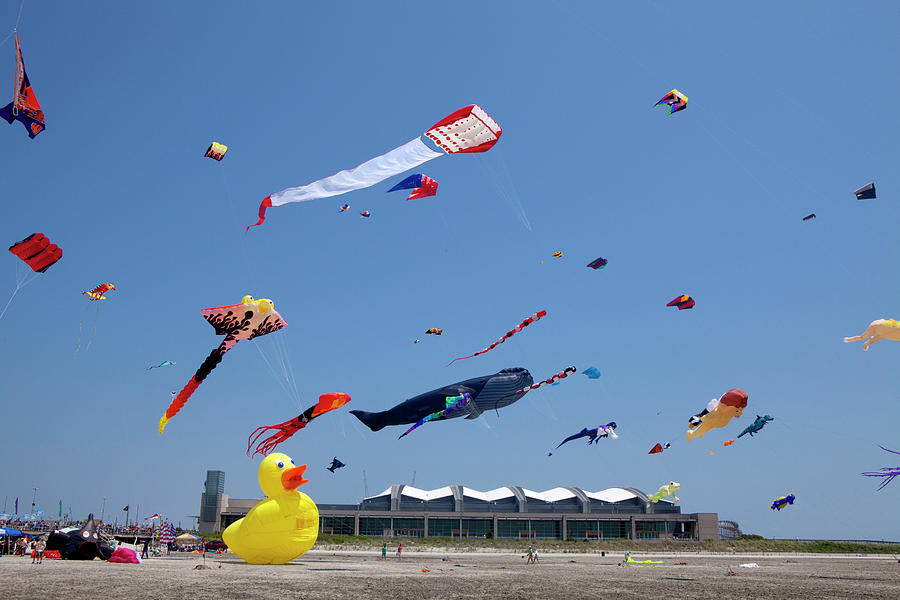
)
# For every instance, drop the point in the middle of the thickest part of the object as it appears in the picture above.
(489, 392)
(80, 544)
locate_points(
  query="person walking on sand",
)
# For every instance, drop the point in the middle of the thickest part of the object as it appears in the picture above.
(144, 553)
(39, 547)
(399, 551)
(384, 551)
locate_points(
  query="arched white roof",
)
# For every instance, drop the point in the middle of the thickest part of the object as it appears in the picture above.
(491, 496)
(554, 495)
(611, 495)
(426, 495)
(386, 492)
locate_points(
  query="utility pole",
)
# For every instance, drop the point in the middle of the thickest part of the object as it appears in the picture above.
(103, 510)
(365, 484)
(413, 484)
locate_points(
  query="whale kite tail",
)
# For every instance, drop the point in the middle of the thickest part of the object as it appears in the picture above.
(371, 420)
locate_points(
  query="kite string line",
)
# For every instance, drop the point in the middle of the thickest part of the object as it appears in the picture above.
(272, 369)
(19, 16)
(236, 209)
(6, 39)
(23, 278)
(15, 291)
(94, 334)
(287, 369)
(81, 326)
(511, 197)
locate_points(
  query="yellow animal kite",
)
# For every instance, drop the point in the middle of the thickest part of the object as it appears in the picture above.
(284, 525)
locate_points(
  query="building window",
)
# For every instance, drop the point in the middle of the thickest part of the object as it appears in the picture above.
(582, 530)
(337, 525)
(229, 519)
(375, 526)
(546, 529)
(477, 528)
(409, 527)
(650, 530)
(443, 528)
(614, 530)
(513, 529)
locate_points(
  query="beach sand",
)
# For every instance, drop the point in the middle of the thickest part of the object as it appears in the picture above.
(358, 575)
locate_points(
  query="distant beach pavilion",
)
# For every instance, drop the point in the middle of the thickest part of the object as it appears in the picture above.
(510, 512)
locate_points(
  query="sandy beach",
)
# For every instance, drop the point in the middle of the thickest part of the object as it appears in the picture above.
(358, 575)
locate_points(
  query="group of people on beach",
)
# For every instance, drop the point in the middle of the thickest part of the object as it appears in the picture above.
(37, 545)
(384, 551)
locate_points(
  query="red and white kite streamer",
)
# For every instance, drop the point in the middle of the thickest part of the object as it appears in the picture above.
(561, 375)
(538, 315)
(469, 129)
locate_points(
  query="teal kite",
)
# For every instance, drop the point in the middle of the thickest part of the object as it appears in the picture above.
(758, 424)
(165, 363)
(592, 372)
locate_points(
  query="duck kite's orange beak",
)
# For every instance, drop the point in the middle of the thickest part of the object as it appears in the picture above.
(291, 479)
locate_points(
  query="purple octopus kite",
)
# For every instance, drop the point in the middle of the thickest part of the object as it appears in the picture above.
(887, 472)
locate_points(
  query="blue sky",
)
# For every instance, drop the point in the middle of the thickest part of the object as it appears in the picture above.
(791, 109)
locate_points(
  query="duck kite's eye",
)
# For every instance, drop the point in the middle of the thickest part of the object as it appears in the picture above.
(280, 465)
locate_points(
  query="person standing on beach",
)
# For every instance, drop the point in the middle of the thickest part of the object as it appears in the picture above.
(144, 553)
(399, 551)
(39, 547)
(384, 551)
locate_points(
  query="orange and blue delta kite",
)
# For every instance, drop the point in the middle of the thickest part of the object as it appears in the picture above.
(25, 107)
(245, 321)
(675, 100)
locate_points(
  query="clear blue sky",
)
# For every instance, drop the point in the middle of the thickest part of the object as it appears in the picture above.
(792, 107)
